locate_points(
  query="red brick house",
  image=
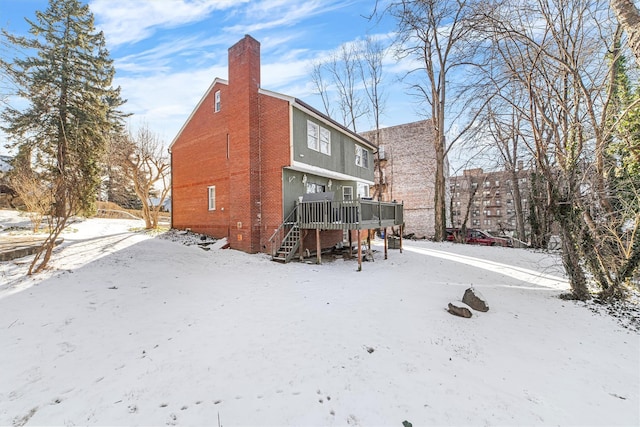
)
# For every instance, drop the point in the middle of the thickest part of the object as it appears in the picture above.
(247, 158)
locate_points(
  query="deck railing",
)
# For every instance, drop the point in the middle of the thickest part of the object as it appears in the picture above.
(349, 215)
(282, 232)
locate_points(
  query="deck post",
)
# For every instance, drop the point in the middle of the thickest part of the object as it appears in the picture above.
(303, 234)
(318, 253)
(369, 244)
(350, 245)
(385, 243)
(359, 252)
(401, 233)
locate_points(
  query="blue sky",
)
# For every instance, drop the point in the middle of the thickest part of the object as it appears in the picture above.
(167, 52)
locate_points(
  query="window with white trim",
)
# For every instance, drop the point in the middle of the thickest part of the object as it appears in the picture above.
(362, 157)
(313, 131)
(217, 101)
(325, 141)
(363, 190)
(318, 138)
(313, 187)
(347, 193)
(212, 197)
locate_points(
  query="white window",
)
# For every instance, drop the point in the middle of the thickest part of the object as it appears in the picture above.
(362, 157)
(325, 141)
(313, 187)
(212, 197)
(363, 190)
(313, 131)
(347, 193)
(217, 101)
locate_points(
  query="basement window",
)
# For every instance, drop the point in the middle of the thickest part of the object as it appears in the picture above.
(212, 197)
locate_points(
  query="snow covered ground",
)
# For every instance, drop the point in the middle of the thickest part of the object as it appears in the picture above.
(131, 329)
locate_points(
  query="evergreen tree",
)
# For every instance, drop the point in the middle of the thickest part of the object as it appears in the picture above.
(65, 75)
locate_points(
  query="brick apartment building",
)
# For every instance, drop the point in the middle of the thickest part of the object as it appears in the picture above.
(246, 157)
(407, 164)
(489, 199)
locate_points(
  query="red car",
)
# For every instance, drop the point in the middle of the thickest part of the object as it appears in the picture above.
(476, 237)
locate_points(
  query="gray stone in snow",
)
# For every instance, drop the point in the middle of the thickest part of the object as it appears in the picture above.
(475, 300)
(460, 309)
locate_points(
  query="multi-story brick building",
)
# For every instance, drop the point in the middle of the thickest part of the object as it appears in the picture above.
(488, 200)
(405, 170)
(246, 157)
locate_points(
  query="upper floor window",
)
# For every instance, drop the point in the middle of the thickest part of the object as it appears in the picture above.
(313, 132)
(325, 141)
(212, 197)
(217, 101)
(362, 157)
(318, 138)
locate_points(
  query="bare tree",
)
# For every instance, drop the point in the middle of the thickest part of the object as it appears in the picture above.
(321, 85)
(372, 54)
(437, 34)
(144, 162)
(344, 68)
(629, 17)
(556, 52)
(34, 193)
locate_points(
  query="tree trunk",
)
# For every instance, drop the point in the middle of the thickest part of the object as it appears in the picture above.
(628, 16)
(439, 206)
(571, 261)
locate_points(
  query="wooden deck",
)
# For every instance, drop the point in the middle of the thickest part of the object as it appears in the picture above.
(349, 215)
(361, 214)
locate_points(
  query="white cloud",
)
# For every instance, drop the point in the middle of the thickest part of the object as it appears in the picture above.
(124, 21)
(165, 101)
(287, 13)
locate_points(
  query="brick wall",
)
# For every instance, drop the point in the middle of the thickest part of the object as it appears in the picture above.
(409, 169)
(199, 159)
(241, 150)
(275, 154)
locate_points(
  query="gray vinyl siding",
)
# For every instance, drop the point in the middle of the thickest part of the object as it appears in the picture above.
(343, 151)
(294, 188)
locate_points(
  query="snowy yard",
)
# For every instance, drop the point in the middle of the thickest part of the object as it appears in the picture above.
(128, 329)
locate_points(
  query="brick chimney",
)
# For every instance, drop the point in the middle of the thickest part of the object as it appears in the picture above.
(242, 99)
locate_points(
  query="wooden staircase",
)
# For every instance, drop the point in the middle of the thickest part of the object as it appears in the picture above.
(289, 246)
(286, 239)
